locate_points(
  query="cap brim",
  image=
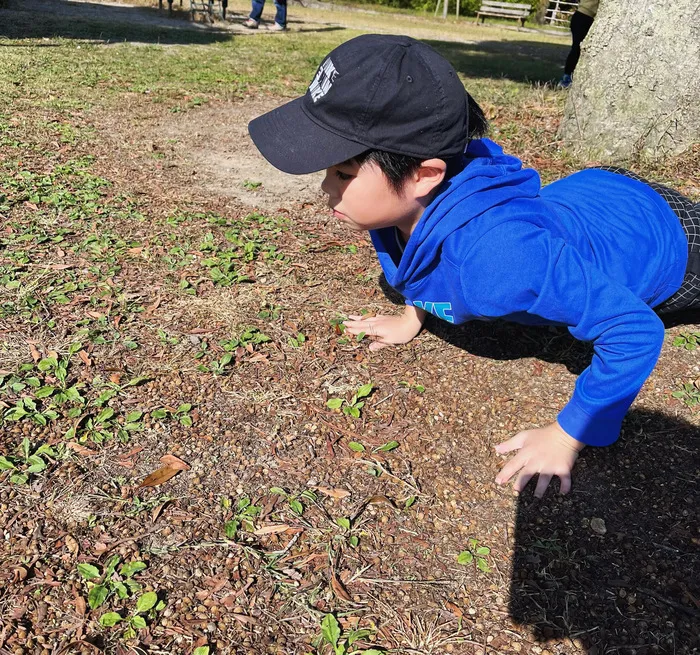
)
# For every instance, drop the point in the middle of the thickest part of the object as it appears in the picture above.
(292, 142)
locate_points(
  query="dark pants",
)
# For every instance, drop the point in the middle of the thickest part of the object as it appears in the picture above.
(280, 15)
(580, 24)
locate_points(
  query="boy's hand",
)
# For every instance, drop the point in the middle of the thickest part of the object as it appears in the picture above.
(545, 451)
(386, 330)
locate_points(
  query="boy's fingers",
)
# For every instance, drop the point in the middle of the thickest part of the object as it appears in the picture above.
(523, 479)
(377, 345)
(514, 443)
(509, 470)
(364, 319)
(564, 483)
(542, 484)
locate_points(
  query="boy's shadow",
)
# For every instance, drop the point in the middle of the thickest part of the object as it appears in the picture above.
(616, 564)
(503, 341)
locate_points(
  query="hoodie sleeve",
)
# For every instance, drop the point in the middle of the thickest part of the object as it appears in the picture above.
(519, 267)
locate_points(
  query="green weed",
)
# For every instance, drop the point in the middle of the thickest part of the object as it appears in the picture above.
(355, 404)
(243, 516)
(343, 643)
(28, 462)
(687, 340)
(102, 585)
(689, 393)
(475, 553)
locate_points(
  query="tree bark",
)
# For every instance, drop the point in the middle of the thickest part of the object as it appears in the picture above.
(636, 89)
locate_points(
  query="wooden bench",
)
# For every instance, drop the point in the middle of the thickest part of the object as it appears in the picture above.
(519, 11)
(206, 7)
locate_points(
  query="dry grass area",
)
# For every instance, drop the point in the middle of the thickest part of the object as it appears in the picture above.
(172, 479)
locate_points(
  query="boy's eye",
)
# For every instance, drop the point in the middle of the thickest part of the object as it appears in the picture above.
(343, 176)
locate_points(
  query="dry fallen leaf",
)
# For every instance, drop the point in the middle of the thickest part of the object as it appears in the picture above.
(116, 378)
(80, 606)
(271, 529)
(72, 545)
(151, 308)
(454, 609)
(157, 510)
(174, 462)
(84, 356)
(80, 449)
(18, 612)
(132, 452)
(333, 492)
(339, 589)
(216, 584)
(159, 477)
(100, 547)
(293, 574)
(381, 500)
(36, 356)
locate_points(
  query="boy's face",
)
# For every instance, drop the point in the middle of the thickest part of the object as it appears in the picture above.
(362, 198)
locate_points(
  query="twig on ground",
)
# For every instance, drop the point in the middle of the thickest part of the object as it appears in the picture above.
(403, 581)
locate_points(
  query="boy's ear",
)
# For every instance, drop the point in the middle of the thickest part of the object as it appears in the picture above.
(428, 177)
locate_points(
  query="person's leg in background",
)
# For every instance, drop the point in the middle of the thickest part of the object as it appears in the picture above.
(255, 14)
(281, 14)
(580, 25)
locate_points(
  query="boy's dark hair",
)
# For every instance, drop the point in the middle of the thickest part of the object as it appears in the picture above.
(398, 168)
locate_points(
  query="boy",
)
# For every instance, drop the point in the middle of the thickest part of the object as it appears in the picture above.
(471, 235)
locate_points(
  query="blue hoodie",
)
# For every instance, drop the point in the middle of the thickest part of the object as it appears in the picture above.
(594, 251)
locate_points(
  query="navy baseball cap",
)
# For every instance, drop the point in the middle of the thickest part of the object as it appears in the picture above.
(374, 92)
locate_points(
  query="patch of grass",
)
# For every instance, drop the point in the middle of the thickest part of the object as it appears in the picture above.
(162, 74)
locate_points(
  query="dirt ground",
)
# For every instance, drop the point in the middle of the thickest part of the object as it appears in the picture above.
(284, 511)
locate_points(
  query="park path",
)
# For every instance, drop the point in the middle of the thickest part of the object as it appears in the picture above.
(302, 18)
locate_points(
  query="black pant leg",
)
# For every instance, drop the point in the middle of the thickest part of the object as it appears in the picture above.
(580, 25)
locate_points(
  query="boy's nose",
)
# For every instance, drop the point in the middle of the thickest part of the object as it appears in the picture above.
(326, 184)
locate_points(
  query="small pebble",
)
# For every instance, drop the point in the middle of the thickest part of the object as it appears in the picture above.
(598, 526)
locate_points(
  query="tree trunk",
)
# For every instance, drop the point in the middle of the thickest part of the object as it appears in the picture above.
(540, 9)
(637, 86)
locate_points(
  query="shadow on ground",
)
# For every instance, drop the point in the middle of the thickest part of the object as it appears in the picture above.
(617, 564)
(520, 61)
(37, 19)
(95, 21)
(506, 341)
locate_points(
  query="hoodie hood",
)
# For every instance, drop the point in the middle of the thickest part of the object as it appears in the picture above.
(489, 179)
